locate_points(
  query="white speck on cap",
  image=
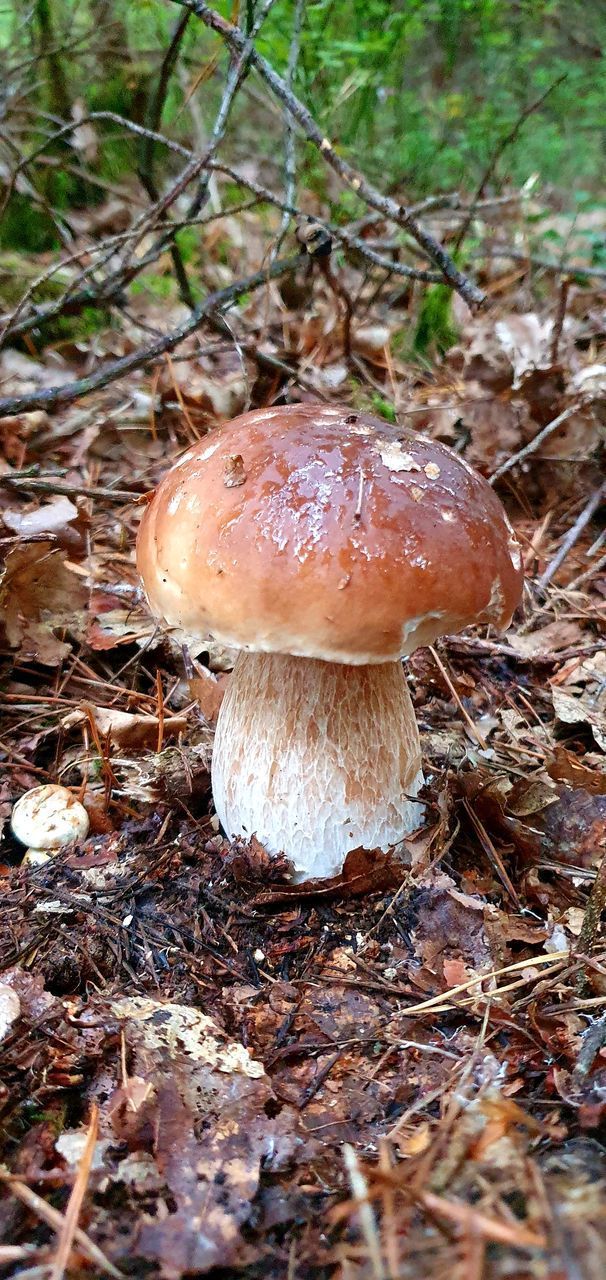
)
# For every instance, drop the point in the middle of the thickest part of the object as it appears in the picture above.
(395, 458)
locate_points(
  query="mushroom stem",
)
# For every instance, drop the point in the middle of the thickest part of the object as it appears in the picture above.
(317, 758)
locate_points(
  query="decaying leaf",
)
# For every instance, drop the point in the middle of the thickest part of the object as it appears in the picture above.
(39, 597)
(209, 1113)
(582, 709)
(10, 1008)
(526, 339)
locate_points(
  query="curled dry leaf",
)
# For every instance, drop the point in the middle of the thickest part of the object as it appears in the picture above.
(126, 729)
(584, 709)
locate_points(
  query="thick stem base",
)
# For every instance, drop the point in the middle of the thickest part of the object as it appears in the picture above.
(317, 758)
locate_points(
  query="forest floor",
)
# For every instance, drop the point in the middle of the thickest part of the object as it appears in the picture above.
(204, 1067)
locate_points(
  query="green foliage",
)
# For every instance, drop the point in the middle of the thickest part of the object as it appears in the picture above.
(26, 226)
(418, 93)
(162, 287)
(422, 91)
(435, 331)
(18, 273)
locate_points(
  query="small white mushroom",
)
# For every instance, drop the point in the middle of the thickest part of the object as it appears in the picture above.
(47, 818)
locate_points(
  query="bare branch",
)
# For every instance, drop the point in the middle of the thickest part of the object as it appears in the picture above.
(51, 397)
(366, 192)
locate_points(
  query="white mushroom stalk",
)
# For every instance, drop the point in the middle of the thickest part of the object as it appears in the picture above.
(316, 759)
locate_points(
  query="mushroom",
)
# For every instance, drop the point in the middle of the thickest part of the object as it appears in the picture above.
(324, 545)
(47, 818)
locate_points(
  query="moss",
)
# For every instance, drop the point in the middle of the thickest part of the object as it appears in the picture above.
(26, 226)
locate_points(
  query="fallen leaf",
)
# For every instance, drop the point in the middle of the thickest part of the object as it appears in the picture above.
(526, 340)
(209, 693)
(207, 1110)
(587, 772)
(10, 1008)
(39, 596)
(48, 518)
(126, 729)
(582, 709)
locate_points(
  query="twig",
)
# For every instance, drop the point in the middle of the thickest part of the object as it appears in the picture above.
(492, 854)
(501, 146)
(51, 397)
(55, 1220)
(573, 535)
(545, 264)
(467, 718)
(443, 1002)
(321, 1075)
(366, 192)
(591, 922)
(533, 444)
(290, 155)
(70, 1221)
(465, 1215)
(587, 575)
(560, 316)
(37, 485)
(368, 1225)
(158, 98)
(337, 287)
(108, 290)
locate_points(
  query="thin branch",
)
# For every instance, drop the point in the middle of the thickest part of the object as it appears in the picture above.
(146, 168)
(366, 192)
(559, 319)
(55, 1221)
(113, 285)
(544, 264)
(502, 146)
(52, 397)
(533, 444)
(37, 484)
(573, 535)
(157, 101)
(290, 155)
(69, 1226)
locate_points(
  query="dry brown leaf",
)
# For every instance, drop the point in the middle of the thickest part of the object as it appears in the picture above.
(207, 1110)
(209, 691)
(580, 707)
(126, 729)
(39, 596)
(562, 634)
(587, 772)
(50, 517)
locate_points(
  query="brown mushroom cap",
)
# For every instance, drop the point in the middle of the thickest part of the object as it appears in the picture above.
(324, 533)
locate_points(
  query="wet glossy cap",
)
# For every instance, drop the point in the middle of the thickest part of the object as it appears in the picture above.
(316, 531)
